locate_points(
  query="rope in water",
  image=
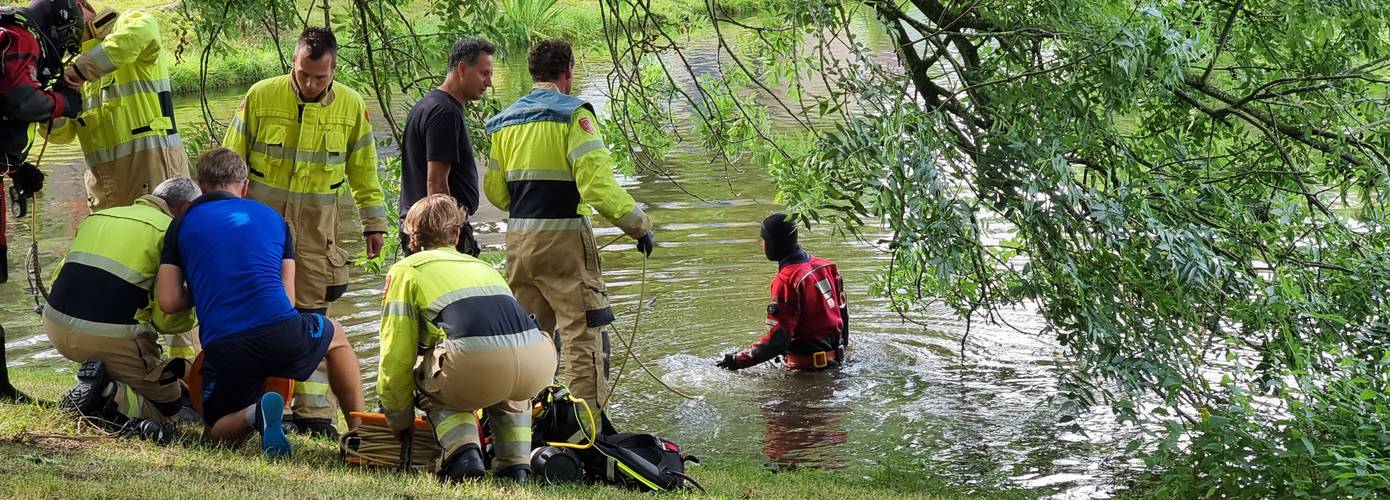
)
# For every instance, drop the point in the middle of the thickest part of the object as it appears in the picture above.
(628, 343)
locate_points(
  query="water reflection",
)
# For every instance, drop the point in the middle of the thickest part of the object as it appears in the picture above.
(804, 421)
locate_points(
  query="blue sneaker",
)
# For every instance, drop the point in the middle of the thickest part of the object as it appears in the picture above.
(269, 423)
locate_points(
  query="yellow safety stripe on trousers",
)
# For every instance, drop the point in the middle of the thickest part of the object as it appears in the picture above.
(129, 404)
(539, 174)
(473, 291)
(511, 435)
(110, 265)
(184, 352)
(583, 149)
(509, 341)
(127, 89)
(130, 147)
(519, 224)
(266, 191)
(311, 394)
(94, 328)
(455, 428)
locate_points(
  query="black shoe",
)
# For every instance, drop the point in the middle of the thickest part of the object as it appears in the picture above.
(149, 430)
(515, 473)
(8, 394)
(317, 427)
(289, 426)
(93, 394)
(464, 464)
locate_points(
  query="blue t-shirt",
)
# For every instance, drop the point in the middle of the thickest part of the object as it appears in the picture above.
(230, 250)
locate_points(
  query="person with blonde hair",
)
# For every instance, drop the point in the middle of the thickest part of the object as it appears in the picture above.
(482, 350)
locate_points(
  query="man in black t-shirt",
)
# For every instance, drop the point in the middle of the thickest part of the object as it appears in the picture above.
(437, 156)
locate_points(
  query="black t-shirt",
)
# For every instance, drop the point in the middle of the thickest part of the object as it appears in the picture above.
(435, 130)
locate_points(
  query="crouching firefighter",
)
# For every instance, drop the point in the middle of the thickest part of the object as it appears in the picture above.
(807, 319)
(34, 42)
(101, 311)
(481, 349)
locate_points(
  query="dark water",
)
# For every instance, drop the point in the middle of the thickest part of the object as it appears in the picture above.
(909, 399)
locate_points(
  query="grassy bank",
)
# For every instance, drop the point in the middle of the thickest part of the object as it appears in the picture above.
(45, 454)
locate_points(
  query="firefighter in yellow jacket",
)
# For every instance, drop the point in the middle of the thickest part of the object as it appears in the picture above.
(548, 167)
(101, 312)
(482, 350)
(126, 129)
(304, 137)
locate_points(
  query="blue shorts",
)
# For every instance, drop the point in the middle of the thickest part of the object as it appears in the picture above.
(235, 367)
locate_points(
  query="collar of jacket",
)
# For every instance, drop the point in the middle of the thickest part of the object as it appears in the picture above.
(327, 96)
(797, 257)
(156, 202)
(545, 86)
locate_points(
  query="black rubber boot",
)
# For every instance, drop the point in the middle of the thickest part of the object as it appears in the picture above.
(149, 430)
(317, 427)
(515, 473)
(94, 395)
(8, 394)
(464, 464)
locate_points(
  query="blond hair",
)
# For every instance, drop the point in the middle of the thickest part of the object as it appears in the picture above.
(433, 222)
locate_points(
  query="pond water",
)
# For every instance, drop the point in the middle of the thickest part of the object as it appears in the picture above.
(909, 399)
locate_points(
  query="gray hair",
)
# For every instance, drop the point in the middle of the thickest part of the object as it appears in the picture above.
(467, 50)
(221, 167)
(177, 191)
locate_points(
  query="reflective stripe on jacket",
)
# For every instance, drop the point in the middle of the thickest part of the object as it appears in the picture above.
(549, 165)
(104, 286)
(442, 297)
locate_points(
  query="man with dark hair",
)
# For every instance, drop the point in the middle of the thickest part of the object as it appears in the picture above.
(304, 137)
(549, 166)
(808, 317)
(237, 258)
(436, 153)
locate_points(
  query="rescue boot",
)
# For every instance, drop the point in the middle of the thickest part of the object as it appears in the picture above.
(316, 427)
(94, 396)
(8, 394)
(289, 426)
(515, 473)
(269, 423)
(464, 464)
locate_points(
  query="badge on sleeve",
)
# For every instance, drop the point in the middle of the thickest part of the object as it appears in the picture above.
(386, 292)
(586, 124)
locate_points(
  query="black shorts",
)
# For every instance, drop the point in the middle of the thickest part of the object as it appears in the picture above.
(235, 367)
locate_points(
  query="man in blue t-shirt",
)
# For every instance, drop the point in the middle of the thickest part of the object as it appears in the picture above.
(237, 257)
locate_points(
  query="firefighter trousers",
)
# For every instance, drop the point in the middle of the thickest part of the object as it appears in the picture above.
(556, 276)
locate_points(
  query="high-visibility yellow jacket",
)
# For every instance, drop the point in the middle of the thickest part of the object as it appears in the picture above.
(105, 284)
(443, 298)
(549, 165)
(127, 119)
(300, 155)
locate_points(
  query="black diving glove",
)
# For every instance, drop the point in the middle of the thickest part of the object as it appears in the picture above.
(728, 363)
(646, 243)
(28, 179)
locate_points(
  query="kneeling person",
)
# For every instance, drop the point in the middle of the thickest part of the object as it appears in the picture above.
(238, 259)
(100, 312)
(808, 318)
(482, 350)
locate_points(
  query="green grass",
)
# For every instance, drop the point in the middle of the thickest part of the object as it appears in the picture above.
(44, 454)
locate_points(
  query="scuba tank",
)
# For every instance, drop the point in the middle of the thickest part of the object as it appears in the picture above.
(556, 465)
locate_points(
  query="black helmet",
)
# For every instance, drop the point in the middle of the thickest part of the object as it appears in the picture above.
(59, 22)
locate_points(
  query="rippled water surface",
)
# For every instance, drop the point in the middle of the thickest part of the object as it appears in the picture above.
(909, 399)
